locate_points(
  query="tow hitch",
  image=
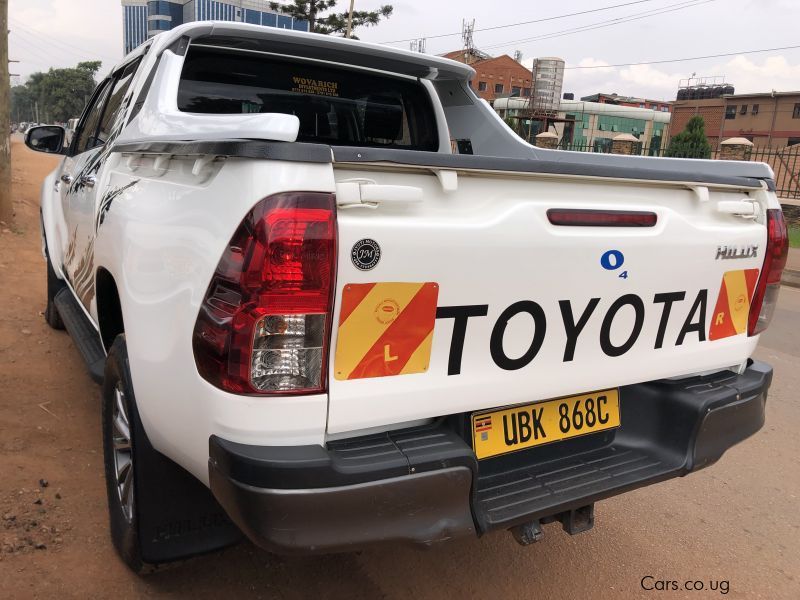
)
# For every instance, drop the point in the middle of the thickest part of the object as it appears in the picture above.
(528, 533)
(573, 521)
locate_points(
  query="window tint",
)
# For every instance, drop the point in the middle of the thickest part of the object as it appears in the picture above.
(335, 105)
(121, 86)
(86, 137)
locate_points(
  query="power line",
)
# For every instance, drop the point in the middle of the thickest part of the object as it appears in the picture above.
(30, 48)
(575, 14)
(65, 45)
(36, 34)
(674, 60)
(608, 23)
(35, 46)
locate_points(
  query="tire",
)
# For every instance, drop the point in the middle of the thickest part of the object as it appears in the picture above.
(160, 493)
(119, 449)
(54, 285)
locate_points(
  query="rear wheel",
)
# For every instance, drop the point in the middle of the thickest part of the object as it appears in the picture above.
(54, 285)
(119, 444)
(159, 513)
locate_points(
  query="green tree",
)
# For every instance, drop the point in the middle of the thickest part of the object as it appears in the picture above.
(691, 142)
(22, 103)
(64, 93)
(59, 93)
(513, 123)
(334, 23)
(90, 66)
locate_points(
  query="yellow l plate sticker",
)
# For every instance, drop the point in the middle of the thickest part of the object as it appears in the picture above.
(529, 425)
(385, 329)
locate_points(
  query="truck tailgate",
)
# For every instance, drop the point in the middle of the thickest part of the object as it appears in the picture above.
(472, 299)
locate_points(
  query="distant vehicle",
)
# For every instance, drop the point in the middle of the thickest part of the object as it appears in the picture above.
(70, 128)
(317, 325)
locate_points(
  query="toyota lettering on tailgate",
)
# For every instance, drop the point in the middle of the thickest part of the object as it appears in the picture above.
(371, 344)
(573, 319)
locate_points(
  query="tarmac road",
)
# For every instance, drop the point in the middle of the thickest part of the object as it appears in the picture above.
(734, 526)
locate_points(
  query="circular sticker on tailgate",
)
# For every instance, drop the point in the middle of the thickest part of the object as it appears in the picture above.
(365, 254)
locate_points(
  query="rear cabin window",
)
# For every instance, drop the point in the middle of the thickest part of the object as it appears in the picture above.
(336, 106)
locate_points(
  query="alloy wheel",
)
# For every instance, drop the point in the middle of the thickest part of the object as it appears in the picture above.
(123, 453)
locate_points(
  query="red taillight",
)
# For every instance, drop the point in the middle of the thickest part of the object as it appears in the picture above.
(264, 324)
(576, 217)
(769, 282)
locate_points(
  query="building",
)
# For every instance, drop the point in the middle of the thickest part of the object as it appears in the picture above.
(770, 119)
(467, 56)
(495, 77)
(632, 101)
(548, 79)
(142, 19)
(592, 126)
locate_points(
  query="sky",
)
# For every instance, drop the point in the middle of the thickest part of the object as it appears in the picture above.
(61, 33)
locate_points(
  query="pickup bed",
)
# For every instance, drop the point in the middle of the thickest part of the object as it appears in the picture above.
(333, 300)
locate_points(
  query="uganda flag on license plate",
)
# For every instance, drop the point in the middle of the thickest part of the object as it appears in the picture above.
(385, 329)
(733, 304)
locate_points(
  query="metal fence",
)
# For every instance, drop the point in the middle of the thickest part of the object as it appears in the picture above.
(606, 149)
(785, 162)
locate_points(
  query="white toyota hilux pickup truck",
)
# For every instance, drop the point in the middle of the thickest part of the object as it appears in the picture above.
(333, 300)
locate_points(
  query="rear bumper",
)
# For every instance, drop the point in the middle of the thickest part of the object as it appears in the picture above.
(424, 485)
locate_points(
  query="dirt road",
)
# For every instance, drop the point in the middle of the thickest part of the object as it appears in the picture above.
(734, 526)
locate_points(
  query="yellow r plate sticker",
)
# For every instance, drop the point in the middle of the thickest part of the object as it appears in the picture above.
(521, 427)
(385, 329)
(733, 304)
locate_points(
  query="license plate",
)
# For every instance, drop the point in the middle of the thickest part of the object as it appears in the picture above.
(520, 427)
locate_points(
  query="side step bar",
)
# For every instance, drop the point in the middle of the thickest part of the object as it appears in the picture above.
(85, 337)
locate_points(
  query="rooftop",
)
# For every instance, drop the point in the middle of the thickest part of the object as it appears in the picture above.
(617, 98)
(771, 94)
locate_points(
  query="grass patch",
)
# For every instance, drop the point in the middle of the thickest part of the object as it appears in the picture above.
(794, 236)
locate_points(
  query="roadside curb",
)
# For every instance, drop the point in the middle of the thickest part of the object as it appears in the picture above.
(791, 278)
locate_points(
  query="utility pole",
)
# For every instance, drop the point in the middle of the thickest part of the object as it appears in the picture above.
(350, 19)
(6, 211)
(466, 36)
(418, 45)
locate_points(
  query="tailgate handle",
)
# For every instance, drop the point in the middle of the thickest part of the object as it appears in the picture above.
(741, 208)
(365, 192)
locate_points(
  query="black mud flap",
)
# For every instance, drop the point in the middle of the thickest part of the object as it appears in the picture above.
(178, 516)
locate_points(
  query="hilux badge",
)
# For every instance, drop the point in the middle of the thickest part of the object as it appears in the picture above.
(729, 252)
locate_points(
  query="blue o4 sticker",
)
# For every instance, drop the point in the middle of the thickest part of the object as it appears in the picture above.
(612, 260)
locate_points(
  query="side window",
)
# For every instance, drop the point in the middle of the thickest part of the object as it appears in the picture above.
(86, 136)
(121, 86)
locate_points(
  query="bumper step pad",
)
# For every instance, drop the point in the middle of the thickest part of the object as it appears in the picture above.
(537, 491)
(85, 337)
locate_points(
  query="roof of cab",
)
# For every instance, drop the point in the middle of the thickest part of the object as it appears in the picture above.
(317, 46)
